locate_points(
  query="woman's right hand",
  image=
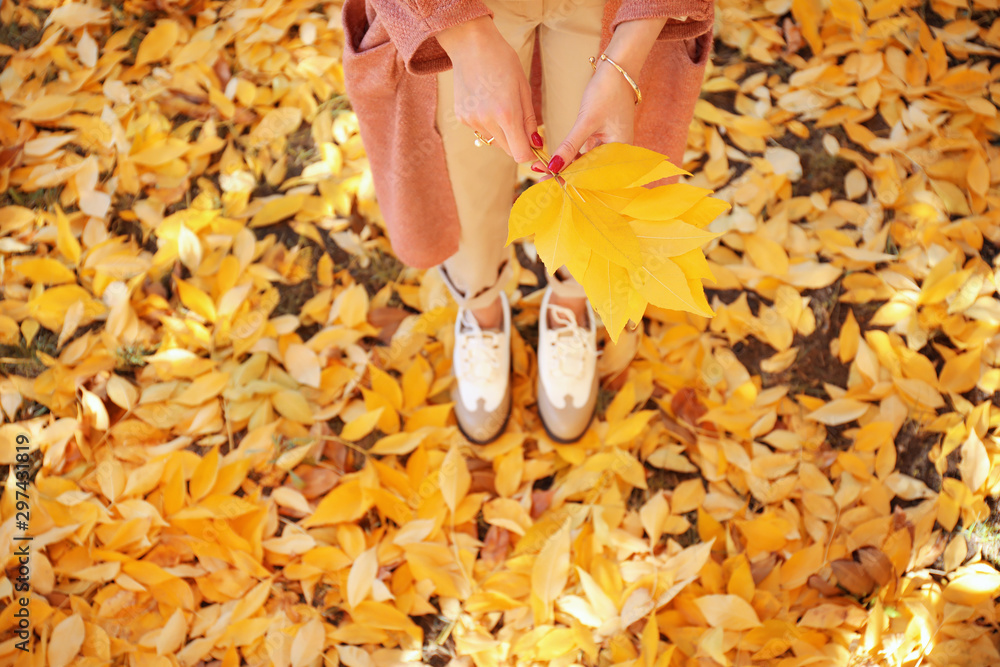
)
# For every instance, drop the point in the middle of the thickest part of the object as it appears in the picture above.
(492, 95)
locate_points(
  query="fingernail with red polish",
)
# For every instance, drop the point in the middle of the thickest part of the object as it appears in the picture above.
(556, 164)
(536, 140)
(537, 168)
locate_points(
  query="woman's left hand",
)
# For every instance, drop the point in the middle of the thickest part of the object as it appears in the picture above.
(607, 115)
(607, 112)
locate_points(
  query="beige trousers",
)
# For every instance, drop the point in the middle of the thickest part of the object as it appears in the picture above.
(484, 178)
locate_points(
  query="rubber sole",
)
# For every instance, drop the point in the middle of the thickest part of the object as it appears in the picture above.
(503, 427)
(570, 441)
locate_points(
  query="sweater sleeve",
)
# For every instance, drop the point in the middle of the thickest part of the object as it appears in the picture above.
(685, 18)
(413, 24)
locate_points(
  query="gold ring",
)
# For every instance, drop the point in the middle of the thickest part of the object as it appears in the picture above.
(480, 139)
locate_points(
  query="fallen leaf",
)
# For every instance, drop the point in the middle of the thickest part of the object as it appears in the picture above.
(158, 42)
(454, 478)
(975, 464)
(362, 426)
(729, 612)
(361, 577)
(71, 633)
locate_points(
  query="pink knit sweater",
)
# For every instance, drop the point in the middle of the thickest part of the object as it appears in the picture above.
(390, 59)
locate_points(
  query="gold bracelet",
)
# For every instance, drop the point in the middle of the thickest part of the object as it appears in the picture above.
(631, 82)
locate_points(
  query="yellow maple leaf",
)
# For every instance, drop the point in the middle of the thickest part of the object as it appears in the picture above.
(629, 246)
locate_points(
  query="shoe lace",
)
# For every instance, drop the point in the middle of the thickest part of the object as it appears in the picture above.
(569, 343)
(479, 350)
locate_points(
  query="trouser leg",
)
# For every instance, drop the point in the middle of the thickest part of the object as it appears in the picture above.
(569, 35)
(483, 179)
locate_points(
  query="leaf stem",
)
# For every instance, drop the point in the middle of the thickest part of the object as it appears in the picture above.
(540, 154)
(345, 443)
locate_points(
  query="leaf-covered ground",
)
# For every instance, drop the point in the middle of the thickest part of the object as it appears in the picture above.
(241, 446)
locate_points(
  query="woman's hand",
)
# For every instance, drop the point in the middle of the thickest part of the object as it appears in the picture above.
(607, 115)
(607, 112)
(492, 95)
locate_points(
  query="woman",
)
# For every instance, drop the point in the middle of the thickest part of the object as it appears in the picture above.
(442, 94)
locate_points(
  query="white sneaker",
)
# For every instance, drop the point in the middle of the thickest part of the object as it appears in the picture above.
(567, 371)
(481, 363)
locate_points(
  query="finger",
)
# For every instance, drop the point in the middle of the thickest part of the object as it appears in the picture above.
(517, 140)
(590, 144)
(530, 122)
(493, 130)
(539, 167)
(570, 146)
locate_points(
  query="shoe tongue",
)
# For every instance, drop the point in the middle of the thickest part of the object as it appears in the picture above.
(485, 334)
(470, 325)
(561, 318)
